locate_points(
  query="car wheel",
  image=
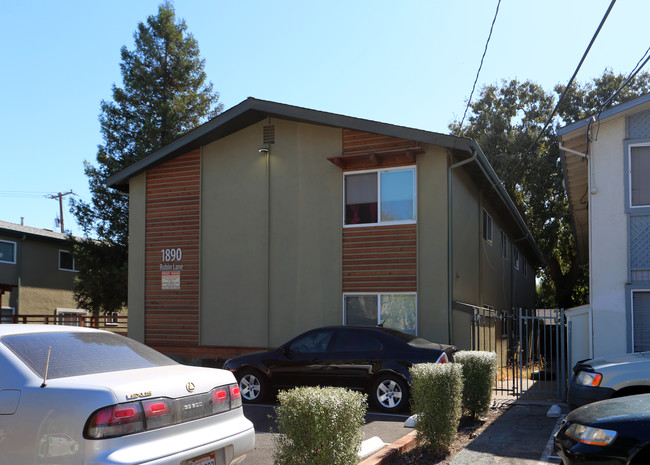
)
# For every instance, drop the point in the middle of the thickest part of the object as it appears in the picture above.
(389, 393)
(252, 385)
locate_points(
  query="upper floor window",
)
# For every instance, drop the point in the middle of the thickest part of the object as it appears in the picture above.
(7, 252)
(487, 227)
(515, 257)
(66, 261)
(639, 173)
(381, 196)
(504, 245)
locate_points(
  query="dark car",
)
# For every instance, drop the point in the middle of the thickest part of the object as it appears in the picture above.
(607, 377)
(613, 431)
(372, 359)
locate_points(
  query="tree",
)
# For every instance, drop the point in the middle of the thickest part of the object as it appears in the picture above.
(164, 95)
(506, 121)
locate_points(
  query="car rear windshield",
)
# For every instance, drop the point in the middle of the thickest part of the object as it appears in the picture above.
(76, 353)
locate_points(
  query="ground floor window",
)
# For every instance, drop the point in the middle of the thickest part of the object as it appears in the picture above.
(7, 314)
(397, 311)
(641, 320)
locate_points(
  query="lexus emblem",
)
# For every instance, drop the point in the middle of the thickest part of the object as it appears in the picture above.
(190, 386)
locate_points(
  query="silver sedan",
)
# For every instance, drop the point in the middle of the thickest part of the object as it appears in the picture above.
(80, 396)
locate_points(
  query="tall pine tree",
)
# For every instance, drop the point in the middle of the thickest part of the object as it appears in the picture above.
(164, 95)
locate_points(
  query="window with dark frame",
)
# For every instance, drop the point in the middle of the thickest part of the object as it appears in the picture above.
(504, 245)
(66, 261)
(487, 227)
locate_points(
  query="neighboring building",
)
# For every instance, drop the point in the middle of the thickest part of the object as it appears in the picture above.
(271, 219)
(607, 166)
(37, 272)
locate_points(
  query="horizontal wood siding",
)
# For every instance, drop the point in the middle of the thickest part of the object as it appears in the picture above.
(355, 142)
(380, 259)
(172, 222)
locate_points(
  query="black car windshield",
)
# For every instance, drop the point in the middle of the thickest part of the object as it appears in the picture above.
(76, 353)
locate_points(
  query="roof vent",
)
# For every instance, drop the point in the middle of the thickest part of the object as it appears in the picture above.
(269, 134)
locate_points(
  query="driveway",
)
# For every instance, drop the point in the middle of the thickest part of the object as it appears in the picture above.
(388, 427)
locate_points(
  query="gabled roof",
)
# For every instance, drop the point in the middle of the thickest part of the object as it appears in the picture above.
(14, 229)
(253, 110)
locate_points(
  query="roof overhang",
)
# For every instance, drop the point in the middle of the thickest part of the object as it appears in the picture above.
(575, 154)
(252, 111)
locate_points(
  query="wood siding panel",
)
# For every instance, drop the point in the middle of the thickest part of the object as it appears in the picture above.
(355, 142)
(172, 222)
(380, 259)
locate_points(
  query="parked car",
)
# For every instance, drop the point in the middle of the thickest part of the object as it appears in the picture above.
(71, 395)
(373, 359)
(613, 431)
(607, 377)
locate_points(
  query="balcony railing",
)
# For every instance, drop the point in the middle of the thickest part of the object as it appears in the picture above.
(113, 323)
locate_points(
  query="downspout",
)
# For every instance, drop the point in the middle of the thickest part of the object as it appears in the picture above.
(450, 248)
(20, 273)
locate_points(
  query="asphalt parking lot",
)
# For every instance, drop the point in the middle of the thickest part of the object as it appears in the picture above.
(388, 427)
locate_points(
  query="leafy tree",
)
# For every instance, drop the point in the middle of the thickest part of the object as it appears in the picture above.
(164, 95)
(506, 121)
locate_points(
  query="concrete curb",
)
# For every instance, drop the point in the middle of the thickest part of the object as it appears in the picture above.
(400, 446)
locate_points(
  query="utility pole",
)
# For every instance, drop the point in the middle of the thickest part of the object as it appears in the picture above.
(60, 197)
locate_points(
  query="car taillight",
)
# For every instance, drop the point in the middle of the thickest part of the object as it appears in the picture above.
(149, 414)
(443, 358)
(235, 396)
(158, 413)
(117, 420)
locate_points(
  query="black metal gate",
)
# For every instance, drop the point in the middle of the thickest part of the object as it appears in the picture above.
(531, 350)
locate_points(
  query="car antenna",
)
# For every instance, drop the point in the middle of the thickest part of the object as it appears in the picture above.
(47, 365)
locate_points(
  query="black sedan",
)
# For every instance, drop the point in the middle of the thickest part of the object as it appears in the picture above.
(372, 359)
(613, 431)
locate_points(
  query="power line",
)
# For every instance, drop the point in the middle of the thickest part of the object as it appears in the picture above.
(566, 89)
(460, 127)
(26, 194)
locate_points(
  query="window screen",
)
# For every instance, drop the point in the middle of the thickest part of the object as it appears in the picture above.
(75, 354)
(639, 173)
(66, 260)
(7, 252)
(641, 318)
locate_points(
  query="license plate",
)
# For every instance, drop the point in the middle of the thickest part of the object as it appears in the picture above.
(204, 460)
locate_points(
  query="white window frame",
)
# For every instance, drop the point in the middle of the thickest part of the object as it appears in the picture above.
(629, 175)
(486, 226)
(62, 313)
(14, 244)
(412, 168)
(74, 265)
(7, 312)
(379, 295)
(111, 319)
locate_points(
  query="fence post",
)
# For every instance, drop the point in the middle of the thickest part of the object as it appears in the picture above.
(563, 369)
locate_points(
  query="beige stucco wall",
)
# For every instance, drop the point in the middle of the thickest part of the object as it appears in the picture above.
(137, 229)
(432, 244)
(304, 235)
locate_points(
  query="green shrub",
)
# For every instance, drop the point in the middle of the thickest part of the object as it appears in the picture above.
(319, 426)
(479, 372)
(436, 392)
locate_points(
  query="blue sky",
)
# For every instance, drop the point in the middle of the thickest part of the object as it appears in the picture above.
(406, 62)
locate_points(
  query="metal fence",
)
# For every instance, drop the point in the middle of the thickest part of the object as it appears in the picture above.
(531, 350)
